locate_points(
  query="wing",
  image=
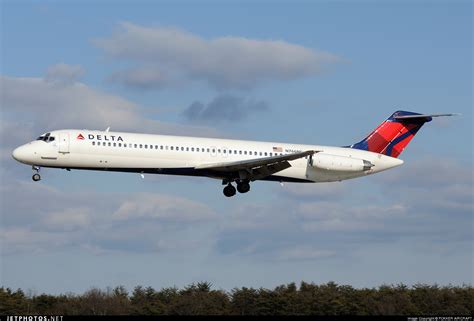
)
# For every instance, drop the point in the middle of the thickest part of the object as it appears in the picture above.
(257, 168)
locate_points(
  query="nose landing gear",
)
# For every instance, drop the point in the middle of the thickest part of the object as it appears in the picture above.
(36, 177)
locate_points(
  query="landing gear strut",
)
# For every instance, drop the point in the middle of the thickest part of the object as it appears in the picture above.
(229, 190)
(36, 177)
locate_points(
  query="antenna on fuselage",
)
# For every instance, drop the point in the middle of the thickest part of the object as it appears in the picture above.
(107, 130)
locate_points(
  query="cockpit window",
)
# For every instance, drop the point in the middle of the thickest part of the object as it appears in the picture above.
(46, 137)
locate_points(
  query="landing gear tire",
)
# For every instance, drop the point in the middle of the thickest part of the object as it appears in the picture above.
(243, 187)
(229, 190)
(36, 177)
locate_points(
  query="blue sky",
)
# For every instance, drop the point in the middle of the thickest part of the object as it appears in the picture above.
(325, 72)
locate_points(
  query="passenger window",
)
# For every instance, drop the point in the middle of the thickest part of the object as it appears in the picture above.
(171, 147)
(182, 149)
(213, 150)
(240, 152)
(271, 154)
(197, 149)
(245, 152)
(265, 153)
(208, 150)
(93, 143)
(192, 149)
(260, 153)
(224, 151)
(110, 144)
(161, 147)
(187, 149)
(219, 151)
(115, 145)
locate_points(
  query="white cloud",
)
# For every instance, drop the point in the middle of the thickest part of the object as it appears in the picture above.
(434, 172)
(44, 105)
(54, 219)
(163, 207)
(223, 62)
(64, 73)
(68, 219)
(59, 106)
(23, 239)
(326, 216)
(143, 77)
(321, 191)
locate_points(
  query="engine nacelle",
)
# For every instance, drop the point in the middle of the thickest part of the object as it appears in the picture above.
(340, 163)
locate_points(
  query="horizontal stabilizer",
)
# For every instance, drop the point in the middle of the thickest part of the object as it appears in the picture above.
(401, 117)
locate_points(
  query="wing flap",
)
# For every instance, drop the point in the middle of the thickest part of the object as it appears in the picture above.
(267, 170)
(254, 163)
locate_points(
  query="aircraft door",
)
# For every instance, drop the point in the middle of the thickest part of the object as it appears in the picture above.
(64, 143)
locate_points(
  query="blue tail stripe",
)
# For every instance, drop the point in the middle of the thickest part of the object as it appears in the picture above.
(399, 139)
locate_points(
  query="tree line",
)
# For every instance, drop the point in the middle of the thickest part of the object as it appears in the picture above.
(201, 299)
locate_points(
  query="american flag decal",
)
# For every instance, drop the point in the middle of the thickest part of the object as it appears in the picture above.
(278, 149)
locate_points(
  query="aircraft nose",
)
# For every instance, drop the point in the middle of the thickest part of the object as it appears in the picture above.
(20, 153)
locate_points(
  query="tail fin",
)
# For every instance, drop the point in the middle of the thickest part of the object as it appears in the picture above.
(393, 135)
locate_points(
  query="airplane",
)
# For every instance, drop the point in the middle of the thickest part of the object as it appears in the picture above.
(236, 162)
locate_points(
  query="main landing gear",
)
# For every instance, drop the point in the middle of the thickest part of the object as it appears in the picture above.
(242, 187)
(229, 190)
(36, 177)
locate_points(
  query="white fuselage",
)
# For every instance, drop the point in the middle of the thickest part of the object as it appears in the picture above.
(179, 155)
